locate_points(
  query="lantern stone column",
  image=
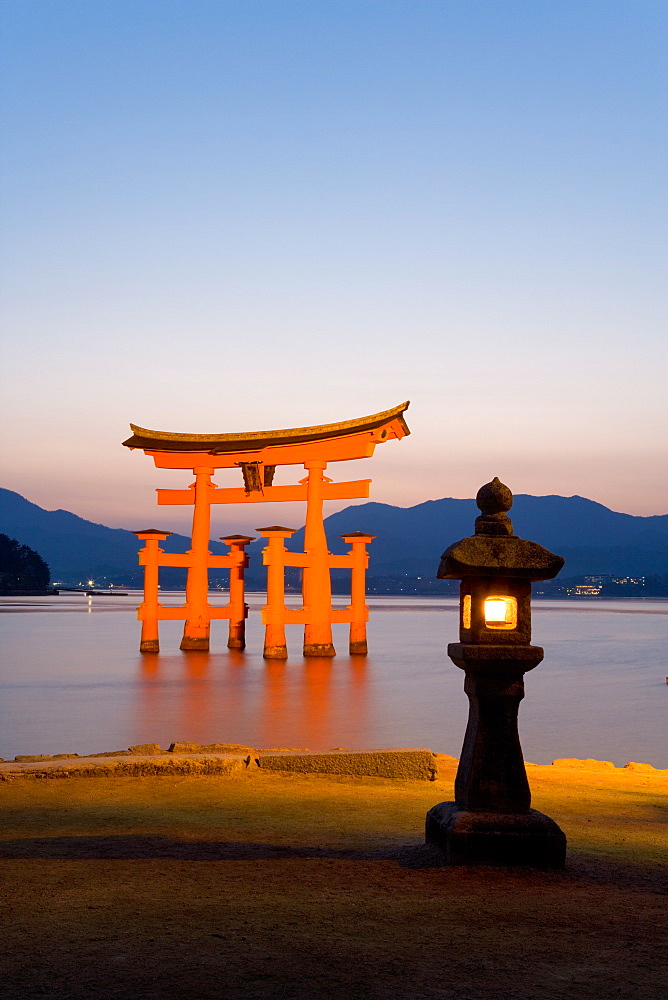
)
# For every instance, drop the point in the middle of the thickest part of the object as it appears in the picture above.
(490, 821)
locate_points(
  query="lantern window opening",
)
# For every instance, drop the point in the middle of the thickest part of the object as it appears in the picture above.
(500, 612)
(466, 611)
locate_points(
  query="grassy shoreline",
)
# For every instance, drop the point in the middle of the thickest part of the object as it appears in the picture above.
(280, 885)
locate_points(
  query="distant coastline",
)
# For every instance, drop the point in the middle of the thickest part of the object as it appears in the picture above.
(48, 592)
(608, 554)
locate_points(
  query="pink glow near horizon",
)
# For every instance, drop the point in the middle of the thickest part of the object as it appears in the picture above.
(394, 482)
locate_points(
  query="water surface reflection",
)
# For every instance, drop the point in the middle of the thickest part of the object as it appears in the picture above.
(229, 698)
(72, 681)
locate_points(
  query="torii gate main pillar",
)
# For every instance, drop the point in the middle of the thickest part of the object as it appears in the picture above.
(316, 582)
(198, 624)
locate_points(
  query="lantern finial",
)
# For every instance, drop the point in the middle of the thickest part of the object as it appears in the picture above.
(493, 500)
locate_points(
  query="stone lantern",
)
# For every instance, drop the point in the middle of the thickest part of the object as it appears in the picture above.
(490, 821)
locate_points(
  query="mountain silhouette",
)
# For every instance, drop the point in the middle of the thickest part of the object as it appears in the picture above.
(591, 538)
(78, 550)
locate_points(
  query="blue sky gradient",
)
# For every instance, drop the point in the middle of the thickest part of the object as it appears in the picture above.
(245, 215)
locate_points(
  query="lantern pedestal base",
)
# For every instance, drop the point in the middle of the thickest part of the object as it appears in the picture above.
(529, 839)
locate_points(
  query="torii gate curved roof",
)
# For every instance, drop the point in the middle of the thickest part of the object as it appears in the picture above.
(218, 444)
(340, 442)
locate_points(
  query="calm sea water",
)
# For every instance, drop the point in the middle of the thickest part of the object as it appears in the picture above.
(72, 681)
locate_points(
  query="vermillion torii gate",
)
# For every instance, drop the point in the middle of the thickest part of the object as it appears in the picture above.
(257, 455)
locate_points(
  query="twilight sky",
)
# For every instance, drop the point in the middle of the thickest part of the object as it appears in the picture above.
(224, 215)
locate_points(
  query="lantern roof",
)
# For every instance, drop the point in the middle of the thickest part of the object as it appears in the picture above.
(498, 555)
(494, 550)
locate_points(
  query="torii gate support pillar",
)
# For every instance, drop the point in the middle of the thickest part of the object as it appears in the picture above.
(275, 612)
(149, 558)
(359, 612)
(238, 606)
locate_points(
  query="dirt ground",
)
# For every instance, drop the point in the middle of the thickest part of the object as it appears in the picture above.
(279, 886)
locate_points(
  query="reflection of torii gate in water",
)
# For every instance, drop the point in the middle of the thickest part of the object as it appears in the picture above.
(258, 454)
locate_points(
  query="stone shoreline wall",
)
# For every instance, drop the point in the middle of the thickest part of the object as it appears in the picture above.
(224, 759)
(187, 758)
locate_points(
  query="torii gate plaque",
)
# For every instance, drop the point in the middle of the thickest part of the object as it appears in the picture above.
(257, 454)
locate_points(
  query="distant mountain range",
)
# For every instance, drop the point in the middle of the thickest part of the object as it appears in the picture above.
(591, 538)
(78, 550)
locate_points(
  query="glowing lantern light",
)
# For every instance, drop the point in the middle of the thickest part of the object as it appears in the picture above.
(495, 610)
(500, 612)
